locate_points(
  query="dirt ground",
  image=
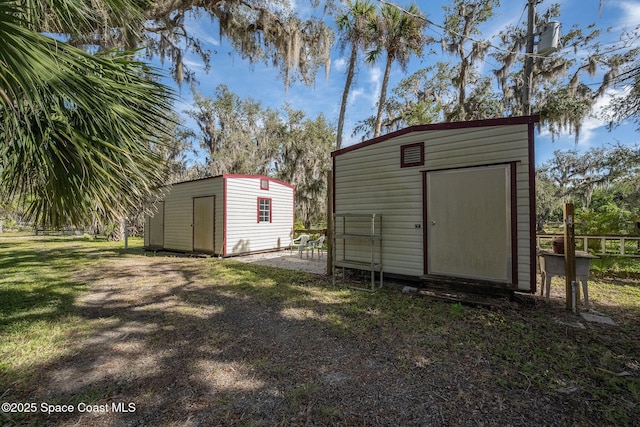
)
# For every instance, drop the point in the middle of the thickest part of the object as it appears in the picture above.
(169, 348)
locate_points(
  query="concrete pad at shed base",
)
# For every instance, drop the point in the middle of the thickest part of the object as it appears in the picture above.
(288, 260)
(591, 316)
(594, 316)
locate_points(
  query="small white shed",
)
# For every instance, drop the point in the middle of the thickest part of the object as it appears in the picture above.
(453, 201)
(224, 215)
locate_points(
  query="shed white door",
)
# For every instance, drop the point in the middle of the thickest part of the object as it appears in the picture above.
(156, 226)
(469, 223)
(203, 224)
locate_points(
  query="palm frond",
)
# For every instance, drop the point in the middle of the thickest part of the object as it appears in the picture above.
(76, 128)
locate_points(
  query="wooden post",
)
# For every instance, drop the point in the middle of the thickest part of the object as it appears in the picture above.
(570, 254)
(330, 224)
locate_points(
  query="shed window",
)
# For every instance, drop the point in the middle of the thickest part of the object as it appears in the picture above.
(412, 155)
(264, 184)
(264, 210)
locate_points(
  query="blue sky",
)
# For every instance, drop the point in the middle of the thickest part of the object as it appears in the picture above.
(262, 82)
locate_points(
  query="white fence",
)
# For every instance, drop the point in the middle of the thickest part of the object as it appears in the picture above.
(628, 246)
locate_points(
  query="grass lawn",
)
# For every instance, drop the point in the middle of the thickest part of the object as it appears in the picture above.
(191, 341)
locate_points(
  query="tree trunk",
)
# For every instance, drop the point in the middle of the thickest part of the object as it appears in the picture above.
(383, 97)
(117, 235)
(345, 94)
(462, 95)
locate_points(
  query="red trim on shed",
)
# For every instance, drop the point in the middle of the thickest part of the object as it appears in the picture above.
(532, 206)
(513, 223)
(333, 178)
(236, 176)
(501, 121)
(224, 216)
(260, 199)
(259, 176)
(403, 150)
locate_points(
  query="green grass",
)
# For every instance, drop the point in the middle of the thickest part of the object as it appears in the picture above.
(616, 267)
(537, 352)
(521, 350)
(533, 351)
(37, 293)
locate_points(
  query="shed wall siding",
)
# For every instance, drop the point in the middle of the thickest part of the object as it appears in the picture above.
(154, 223)
(244, 232)
(178, 234)
(146, 233)
(370, 180)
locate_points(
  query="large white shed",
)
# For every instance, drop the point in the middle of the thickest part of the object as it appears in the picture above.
(224, 215)
(452, 201)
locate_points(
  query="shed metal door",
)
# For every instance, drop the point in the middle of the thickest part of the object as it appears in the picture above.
(203, 224)
(469, 223)
(156, 227)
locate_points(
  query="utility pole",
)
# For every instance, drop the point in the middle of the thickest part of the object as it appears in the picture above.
(528, 61)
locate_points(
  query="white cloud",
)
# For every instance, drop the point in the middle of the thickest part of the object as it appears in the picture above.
(214, 41)
(340, 64)
(592, 127)
(194, 65)
(369, 94)
(502, 18)
(630, 15)
(375, 75)
(354, 95)
(375, 78)
(589, 130)
(304, 9)
(204, 30)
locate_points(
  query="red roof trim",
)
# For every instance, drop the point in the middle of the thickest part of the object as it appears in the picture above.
(532, 209)
(224, 217)
(227, 175)
(236, 176)
(501, 121)
(405, 147)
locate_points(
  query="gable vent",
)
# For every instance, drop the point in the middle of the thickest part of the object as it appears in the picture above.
(412, 155)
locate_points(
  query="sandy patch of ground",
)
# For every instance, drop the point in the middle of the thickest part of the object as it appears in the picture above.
(286, 259)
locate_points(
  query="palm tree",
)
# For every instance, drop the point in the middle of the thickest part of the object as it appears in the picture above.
(399, 34)
(75, 129)
(354, 25)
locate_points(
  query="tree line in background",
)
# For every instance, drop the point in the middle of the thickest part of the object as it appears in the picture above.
(240, 136)
(602, 183)
(86, 128)
(81, 164)
(456, 89)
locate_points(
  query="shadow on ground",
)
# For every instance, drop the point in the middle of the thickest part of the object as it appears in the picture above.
(179, 341)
